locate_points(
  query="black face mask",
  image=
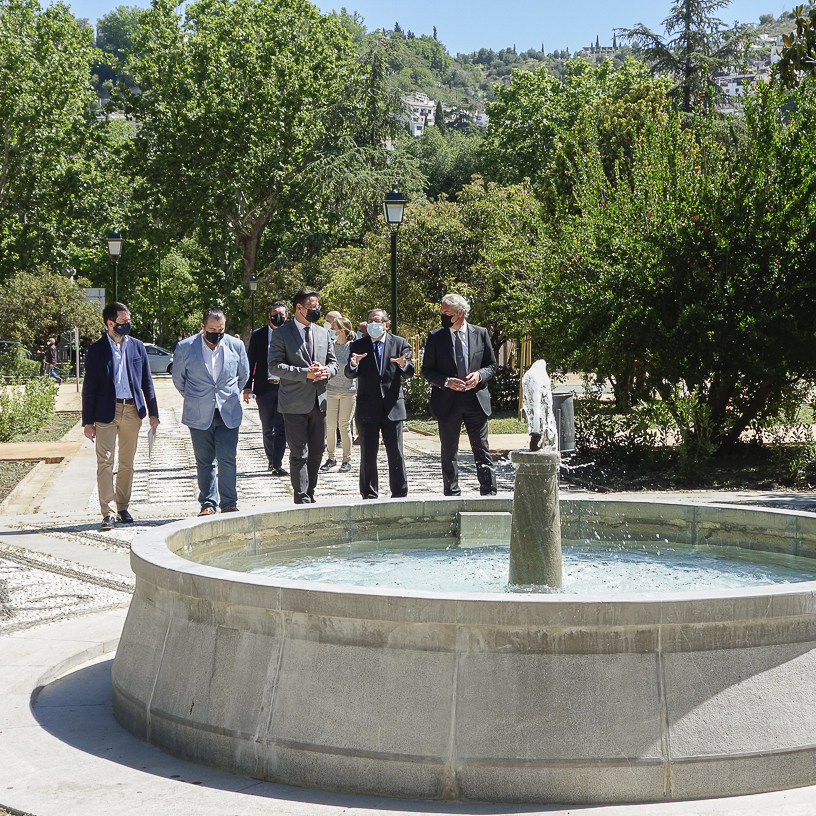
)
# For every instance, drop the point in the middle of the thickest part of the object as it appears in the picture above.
(213, 337)
(447, 321)
(277, 319)
(122, 328)
(313, 315)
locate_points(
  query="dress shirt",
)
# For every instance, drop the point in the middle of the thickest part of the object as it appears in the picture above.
(120, 377)
(213, 358)
(269, 331)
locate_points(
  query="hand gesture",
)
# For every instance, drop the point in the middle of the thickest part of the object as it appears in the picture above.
(355, 359)
(317, 372)
(401, 361)
(456, 385)
(473, 379)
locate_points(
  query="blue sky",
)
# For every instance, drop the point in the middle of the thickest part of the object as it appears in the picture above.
(467, 26)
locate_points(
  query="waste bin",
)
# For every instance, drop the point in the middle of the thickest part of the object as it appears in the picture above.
(564, 410)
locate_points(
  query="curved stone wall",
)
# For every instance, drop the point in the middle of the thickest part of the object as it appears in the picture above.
(545, 698)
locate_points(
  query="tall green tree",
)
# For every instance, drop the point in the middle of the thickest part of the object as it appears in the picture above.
(696, 45)
(46, 113)
(227, 109)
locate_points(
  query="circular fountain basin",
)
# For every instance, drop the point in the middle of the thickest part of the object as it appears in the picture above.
(496, 697)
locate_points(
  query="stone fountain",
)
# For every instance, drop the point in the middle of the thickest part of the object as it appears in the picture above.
(503, 697)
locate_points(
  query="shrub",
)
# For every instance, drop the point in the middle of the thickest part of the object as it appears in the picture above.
(26, 408)
(16, 363)
(417, 391)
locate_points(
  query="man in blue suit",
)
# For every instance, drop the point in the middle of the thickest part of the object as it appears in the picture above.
(117, 393)
(209, 369)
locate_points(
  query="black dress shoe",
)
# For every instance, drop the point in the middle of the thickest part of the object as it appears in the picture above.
(108, 522)
(278, 471)
(125, 517)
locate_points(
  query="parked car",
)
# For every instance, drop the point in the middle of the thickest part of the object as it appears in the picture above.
(161, 360)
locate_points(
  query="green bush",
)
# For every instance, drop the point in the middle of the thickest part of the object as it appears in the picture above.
(417, 392)
(16, 363)
(504, 389)
(26, 407)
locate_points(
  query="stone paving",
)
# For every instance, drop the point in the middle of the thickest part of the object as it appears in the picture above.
(35, 588)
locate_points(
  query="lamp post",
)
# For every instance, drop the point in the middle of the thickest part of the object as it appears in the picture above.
(115, 252)
(394, 209)
(253, 287)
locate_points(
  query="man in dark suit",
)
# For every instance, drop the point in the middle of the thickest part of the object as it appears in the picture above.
(266, 389)
(379, 361)
(301, 355)
(458, 362)
(117, 393)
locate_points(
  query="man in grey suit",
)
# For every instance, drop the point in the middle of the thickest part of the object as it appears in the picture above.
(302, 357)
(209, 369)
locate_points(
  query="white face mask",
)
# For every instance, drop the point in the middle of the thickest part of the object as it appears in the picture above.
(375, 330)
(327, 325)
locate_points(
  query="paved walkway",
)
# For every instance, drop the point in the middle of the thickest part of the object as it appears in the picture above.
(64, 589)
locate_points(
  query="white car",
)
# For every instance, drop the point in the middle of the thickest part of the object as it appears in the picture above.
(161, 360)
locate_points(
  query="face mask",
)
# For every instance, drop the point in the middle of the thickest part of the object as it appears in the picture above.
(332, 335)
(447, 321)
(327, 325)
(313, 315)
(375, 330)
(213, 337)
(277, 319)
(122, 329)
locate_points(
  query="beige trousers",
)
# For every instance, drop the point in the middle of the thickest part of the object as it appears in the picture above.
(125, 426)
(339, 408)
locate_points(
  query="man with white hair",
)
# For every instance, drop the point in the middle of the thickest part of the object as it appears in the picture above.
(458, 362)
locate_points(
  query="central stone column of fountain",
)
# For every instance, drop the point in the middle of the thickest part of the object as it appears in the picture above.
(535, 536)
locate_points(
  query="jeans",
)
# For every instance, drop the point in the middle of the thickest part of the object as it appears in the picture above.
(218, 443)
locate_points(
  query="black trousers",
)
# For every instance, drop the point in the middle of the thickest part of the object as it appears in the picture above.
(272, 424)
(306, 435)
(369, 448)
(466, 408)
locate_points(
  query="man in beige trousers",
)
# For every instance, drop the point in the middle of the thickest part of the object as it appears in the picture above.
(117, 393)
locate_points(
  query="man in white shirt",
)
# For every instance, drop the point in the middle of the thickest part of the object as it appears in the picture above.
(209, 369)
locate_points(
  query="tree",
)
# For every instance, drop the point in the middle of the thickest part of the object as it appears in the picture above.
(227, 109)
(799, 54)
(46, 103)
(701, 45)
(448, 160)
(439, 118)
(114, 37)
(691, 279)
(36, 306)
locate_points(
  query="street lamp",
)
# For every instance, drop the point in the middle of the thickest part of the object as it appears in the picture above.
(115, 251)
(394, 209)
(253, 287)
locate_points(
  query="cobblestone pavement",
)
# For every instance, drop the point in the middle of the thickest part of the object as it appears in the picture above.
(35, 588)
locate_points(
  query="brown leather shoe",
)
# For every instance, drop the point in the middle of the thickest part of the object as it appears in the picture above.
(207, 511)
(233, 509)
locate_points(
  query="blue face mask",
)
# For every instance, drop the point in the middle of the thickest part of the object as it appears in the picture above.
(122, 328)
(375, 330)
(332, 335)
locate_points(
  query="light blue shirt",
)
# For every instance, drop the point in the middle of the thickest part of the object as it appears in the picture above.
(464, 337)
(120, 377)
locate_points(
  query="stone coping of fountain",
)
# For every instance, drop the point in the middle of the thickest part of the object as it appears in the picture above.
(499, 697)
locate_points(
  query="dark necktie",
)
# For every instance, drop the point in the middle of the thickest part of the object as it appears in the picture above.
(378, 348)
(461, 365)
(309, 349)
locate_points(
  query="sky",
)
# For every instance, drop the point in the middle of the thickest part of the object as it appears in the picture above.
(467, 25)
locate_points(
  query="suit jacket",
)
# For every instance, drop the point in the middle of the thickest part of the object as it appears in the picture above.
(289, 361)
(439, 364)
(258, 356)
(379, 396)
(201, 395)
(98, 389)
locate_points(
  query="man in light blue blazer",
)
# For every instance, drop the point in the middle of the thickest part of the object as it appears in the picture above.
(209, 369)
(301, 355)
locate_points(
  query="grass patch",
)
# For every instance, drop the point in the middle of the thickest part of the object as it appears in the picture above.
(502, 422)
(11, 474)
(57, 426)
